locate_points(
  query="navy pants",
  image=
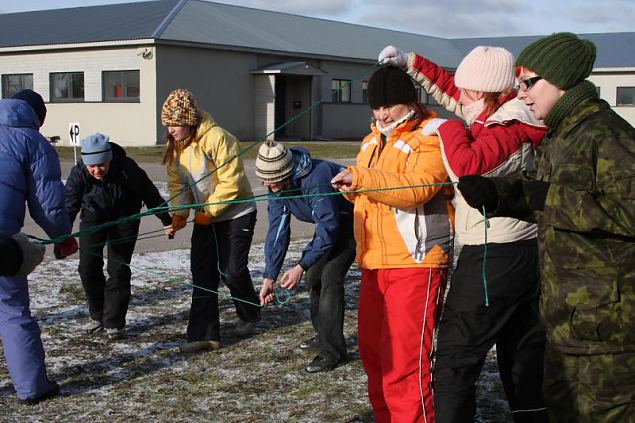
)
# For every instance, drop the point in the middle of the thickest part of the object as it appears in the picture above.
(21, 339)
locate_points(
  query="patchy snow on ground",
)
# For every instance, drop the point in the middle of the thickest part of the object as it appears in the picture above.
(144, 376)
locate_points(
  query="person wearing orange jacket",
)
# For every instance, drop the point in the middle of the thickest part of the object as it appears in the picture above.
(404, 246)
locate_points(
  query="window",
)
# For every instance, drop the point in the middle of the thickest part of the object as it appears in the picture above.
(365, 92)
(341, 90)
(626, 96)
(67, 86)
(120, 85)
(12, 84)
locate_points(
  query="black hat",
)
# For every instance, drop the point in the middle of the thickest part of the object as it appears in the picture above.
(36, 102)
(390, 85)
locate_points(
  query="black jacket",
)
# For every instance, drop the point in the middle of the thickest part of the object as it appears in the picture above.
(121, 193)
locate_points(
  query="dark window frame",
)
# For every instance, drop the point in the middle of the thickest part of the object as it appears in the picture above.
(632, 97)
(343, 85)
(8, 93)
(124, 85)
(72, 97)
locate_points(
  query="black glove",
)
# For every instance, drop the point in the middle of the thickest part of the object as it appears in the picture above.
(479, 191)
(537, 194)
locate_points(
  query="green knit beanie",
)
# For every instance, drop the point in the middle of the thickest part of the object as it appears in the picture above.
(562, 59)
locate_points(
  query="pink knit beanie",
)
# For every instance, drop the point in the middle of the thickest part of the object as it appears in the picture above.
(486, 69)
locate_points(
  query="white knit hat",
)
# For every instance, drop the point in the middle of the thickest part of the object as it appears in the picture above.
(486, 69)
(274, 162)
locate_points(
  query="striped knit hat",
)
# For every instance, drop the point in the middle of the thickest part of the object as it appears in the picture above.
(180, 109)
(274, 162)
(561, 58)
(486, 69)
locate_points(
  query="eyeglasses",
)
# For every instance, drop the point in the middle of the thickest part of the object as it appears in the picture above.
(526, 84)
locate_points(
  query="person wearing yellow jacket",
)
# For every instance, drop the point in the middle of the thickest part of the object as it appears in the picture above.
(404, 245)
(203, 168)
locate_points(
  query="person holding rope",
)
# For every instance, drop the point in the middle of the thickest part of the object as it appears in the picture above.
(326, 258)
(30, 176)
(106, 185)
(499, 140)
(583, 198)
(205, 171)
(403, 228)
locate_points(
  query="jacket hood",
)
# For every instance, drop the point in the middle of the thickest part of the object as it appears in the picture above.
(18, 114)
(302, 163)
(206, 124)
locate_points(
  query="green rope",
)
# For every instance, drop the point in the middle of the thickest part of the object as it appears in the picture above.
(182, 281)
(485, 226)
(285, 124)
(237, 201)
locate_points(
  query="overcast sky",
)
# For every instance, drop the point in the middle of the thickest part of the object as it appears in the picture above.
(442, 18)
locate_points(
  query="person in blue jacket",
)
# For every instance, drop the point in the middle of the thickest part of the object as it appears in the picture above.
(30, 175)
(325, 259)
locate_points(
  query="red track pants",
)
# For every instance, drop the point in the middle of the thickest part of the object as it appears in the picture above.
(398, 313)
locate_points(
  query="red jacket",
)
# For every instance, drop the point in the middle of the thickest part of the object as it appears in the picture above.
(499, 145)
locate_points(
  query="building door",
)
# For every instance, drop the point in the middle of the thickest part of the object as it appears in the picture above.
(293, 97)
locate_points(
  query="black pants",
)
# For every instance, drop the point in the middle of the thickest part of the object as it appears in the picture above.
(108, 299)
(325, 279)
(468, 330)
(225, 246)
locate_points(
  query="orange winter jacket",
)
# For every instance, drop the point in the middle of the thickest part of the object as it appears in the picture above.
(408, 227)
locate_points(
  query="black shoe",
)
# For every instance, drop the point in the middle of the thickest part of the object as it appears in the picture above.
(322, 364)
(53, 392)
(310, 344)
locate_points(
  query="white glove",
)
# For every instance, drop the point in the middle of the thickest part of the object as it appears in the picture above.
(32, 253)
(432, 127)
(393, 56)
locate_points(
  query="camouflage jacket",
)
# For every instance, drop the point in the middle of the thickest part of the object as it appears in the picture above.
(586, 231)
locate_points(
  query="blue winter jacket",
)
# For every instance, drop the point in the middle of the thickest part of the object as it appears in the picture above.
(328, 213)
(29, 174)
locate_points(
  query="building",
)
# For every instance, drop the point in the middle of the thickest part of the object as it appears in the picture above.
(109, 68)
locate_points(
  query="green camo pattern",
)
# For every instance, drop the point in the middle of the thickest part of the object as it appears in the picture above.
(590, 388)
(586, 230)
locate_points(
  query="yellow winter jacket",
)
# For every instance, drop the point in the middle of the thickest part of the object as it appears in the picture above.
(409, 227)
(208, 171)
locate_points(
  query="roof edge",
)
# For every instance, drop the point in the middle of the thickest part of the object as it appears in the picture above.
(169, 18)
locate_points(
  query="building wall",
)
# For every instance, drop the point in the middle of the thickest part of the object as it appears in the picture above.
(224, 85)
(608, 81)
(125, 123)
(220, 80)
(264, 101)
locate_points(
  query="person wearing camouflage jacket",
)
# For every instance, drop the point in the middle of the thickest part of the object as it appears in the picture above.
(583, 199)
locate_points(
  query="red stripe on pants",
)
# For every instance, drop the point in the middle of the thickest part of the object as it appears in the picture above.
(394, 345)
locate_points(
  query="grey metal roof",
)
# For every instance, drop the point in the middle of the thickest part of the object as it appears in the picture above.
(214, 24)
(208, 23)
(84, 24)
(614, 50)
